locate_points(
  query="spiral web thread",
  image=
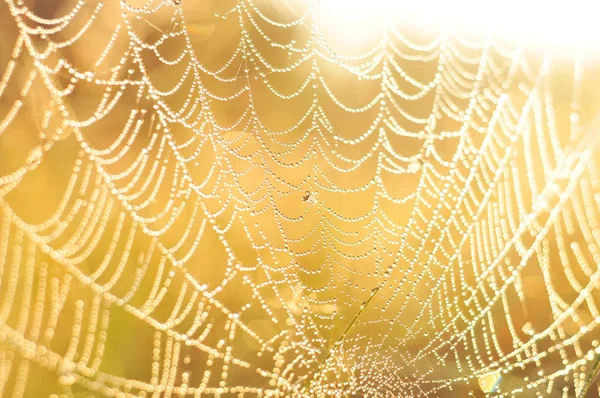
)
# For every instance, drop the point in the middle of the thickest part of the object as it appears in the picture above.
(197, 204)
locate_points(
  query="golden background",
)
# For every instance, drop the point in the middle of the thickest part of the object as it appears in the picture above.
(237, 258)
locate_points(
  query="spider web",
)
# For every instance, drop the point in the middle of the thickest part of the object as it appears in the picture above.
(223, 198)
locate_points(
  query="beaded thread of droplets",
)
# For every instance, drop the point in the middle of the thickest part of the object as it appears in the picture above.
(480, 217)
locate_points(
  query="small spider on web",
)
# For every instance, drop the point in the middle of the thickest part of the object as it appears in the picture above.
(310, 197)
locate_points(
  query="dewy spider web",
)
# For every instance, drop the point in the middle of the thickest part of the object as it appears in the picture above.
(223, 198)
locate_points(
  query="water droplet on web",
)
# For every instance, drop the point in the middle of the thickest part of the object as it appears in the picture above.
(574, 117)
(415, 166)
(489, 382)
(528, 329)
(67, 379)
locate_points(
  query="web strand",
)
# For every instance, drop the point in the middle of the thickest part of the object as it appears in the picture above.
(226, 198)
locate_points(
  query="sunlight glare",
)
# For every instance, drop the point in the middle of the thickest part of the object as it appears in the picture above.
(544, 23)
